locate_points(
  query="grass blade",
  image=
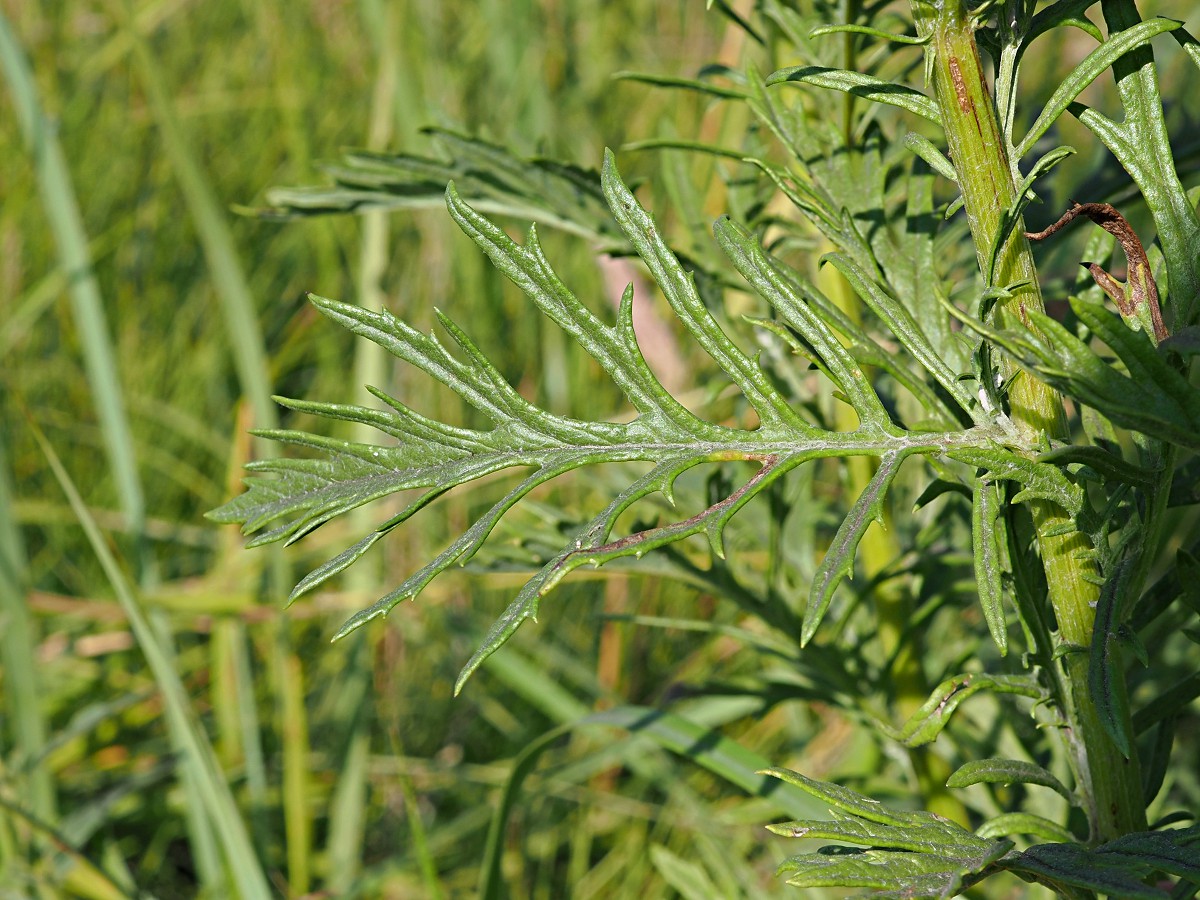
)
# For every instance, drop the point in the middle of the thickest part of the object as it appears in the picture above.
(723, 757)
(228, 275)
(66, 221)
(247, 876)
(18, 638)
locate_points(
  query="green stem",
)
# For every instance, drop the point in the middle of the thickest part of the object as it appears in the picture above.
(348, 810)
(23, 680)
(1111, 784)
(877, 551)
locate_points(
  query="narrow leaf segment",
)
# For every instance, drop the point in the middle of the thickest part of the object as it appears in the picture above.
(288, 498)
(907, 854)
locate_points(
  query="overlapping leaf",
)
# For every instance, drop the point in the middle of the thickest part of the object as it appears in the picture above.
(845, 195)
(1119, 868)
(288, 498)
(492, 178)
(934, 714)
(1007, 771)
(1153, 398)
(907, 853)
(1141, 144)
(914, 854)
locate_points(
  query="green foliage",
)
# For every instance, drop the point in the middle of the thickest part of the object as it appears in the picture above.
(435, 458)
(918, 854)
(910, 854)
(1067, 519)
(99, 795)
(921, 525)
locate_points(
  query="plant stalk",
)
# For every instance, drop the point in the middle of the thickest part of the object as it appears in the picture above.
(1109, 783)
(878, 549)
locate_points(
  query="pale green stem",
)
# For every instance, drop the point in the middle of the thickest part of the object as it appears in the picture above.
(878, 548)
(23, 680)
(347, 821)
(1110, 783)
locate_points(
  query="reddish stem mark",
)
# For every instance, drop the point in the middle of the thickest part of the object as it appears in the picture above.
(769, 462)
(960, 86)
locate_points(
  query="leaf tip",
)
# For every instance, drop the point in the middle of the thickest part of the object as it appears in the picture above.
(352, 625)
(808, 630)
(716, 538)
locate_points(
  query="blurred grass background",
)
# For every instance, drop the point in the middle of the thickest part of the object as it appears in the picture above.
(144, 327)
(158, 702)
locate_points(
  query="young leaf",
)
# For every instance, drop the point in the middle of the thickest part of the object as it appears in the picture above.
(1007, 771)
(911, 854)
(298, 495)
(860, 85)
(1037, 480)
(934, 157)
(927, 722)
(985, 538)
(1024, 823)
(911, 40)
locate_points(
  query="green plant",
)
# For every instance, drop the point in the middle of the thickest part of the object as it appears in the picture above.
(1050, 458)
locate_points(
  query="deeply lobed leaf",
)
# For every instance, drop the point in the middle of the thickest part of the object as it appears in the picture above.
(910, 854)
(301, 494)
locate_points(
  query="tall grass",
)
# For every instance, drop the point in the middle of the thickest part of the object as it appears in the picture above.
(303, 766)
(167, 726)
(61, 208)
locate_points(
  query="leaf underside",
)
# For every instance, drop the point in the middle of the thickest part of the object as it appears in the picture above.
(898, 853)
(288, 498)
(921, 856)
